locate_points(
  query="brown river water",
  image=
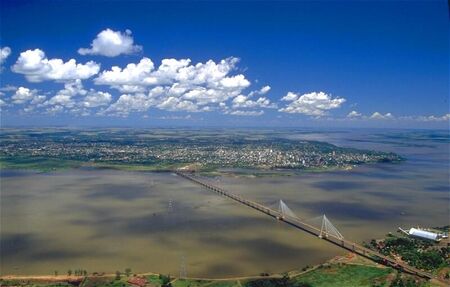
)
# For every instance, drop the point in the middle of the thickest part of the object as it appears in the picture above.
(105, 220)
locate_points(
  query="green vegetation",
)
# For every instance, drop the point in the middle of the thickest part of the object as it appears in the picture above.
(225, 284)
(155, 279)
(159, 280)
(189, 283)
(103, 282)
(406, 282)
(117, 275)
(285, 281)
(31, 283)
(165, 280)
(128, 272)
(41, 164)
(445, 229)
(328, 275)
(422, 254)
(344, 275)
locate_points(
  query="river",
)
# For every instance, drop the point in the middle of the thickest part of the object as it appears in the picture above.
(106, 220)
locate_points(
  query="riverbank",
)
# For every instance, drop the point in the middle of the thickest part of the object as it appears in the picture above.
(52, 165)
(348, 270)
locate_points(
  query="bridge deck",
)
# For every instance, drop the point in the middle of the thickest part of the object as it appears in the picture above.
(299, 224)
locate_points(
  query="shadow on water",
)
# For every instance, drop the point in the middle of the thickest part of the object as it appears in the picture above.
(439, 188)
(331, 185)
(118, 191)
(109, 220)
(357, 210)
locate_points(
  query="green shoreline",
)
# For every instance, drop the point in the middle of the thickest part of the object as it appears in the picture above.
(334, 274)
(40, 164)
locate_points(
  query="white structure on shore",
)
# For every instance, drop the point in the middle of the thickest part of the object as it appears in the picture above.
(423, 234)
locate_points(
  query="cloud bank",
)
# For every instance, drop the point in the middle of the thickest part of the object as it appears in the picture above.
(175, 85)
(180, 85)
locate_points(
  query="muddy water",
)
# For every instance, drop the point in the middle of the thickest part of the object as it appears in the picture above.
(103, 220)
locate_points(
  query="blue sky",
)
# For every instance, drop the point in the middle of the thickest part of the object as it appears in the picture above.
(335, 63)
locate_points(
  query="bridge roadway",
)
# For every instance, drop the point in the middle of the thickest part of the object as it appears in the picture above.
(299, 224)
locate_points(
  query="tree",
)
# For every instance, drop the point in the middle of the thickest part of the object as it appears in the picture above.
(69, 272)
(275, 282)
(373, 243)
(165, 280)
(128, 272)
(118, 275)
(56, 272)
(399, 282)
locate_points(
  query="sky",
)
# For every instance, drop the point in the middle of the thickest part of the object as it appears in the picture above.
(298, 63)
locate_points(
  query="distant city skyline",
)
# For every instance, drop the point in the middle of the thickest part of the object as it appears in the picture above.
(241, 64)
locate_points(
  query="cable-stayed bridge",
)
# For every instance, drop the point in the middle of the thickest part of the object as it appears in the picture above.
(320, 226)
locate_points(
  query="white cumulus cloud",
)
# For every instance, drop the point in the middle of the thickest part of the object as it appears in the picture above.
(443, 118)
(431, 118)
(178, 85)
(171, 71)
(175, 104)
(128, 103)
(264, 90)
(379, 116)
(76, 99)
(96, 99)
(37, 68)
(290, 96)
(65, 98)
(23, 95)
(244, 102)
(354, 114)
(246, 113)
(4, 53)
(133, 74)
(235, 82)
(111, 43)
(8, 88)
(61, 101)
(312, 104)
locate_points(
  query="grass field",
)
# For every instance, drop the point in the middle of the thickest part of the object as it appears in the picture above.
(346, 275)
(332, 275)
(49, 164)
(198, 283)
(37, 163)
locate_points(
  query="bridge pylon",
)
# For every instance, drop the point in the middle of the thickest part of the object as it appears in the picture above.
(327, 228)
(285, 211)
